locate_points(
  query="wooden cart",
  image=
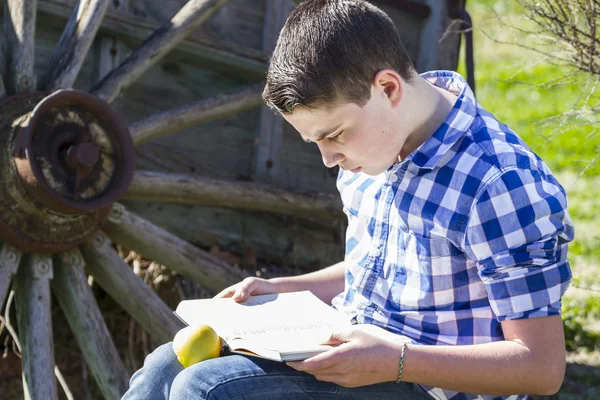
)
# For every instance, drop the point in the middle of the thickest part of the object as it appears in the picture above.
(91, 96)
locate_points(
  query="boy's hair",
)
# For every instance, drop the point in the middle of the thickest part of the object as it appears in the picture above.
(329, 52)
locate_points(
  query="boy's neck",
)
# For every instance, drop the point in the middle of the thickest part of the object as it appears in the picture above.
(429, 107)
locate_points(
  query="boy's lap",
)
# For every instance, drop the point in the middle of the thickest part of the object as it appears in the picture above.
(241, 377)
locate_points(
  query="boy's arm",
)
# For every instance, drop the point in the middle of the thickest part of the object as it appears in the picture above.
(325, 283)
(531, 360)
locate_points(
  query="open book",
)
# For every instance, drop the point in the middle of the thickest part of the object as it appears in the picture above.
(281, 327)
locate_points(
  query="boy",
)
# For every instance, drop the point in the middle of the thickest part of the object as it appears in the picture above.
(456, 243)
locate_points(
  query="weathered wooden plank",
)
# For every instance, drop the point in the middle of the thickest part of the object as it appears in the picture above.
(268, 147)
(196, 113)
(277, 239)
(79, 306)
(20, 22)
(191, 16)
(247, 17)
(75, 43)
(431, 33)
(449, 44)
(240, 22)
(141, 235)
(2, 88)
(191, 189)
(409, 26)
(3, 50)
(127, 289)
(32, 290)
(9, 264)
(207, 50)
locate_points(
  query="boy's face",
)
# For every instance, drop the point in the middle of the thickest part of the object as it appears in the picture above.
(366, 139)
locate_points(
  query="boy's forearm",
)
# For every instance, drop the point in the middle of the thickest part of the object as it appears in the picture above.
(325, 283)
(498, 368)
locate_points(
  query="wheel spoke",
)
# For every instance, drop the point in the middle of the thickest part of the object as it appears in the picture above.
(191, 189)
(74, 44)
(196, 113)
(19, 23)
(9, 264)
(77, 301)
(127, 289)
(32, 289)
(137, 233)
(189, 18)
(3, 43)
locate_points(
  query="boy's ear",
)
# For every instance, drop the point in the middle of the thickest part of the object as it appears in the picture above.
(390, 83)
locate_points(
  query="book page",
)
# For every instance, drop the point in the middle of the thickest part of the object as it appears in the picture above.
(297, 319)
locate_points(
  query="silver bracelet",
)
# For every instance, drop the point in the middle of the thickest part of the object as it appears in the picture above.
(401, 363)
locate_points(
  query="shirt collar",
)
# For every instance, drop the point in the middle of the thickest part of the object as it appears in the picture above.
(454, 126)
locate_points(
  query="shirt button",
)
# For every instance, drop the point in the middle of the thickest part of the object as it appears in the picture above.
(393, 178)
(376, 252)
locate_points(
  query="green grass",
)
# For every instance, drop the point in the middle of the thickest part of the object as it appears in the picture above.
(518, 86)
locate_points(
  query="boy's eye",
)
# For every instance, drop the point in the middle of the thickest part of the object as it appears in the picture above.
(336, 137)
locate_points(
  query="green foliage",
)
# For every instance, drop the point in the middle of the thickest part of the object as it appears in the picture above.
(575, 315)
(531, 94)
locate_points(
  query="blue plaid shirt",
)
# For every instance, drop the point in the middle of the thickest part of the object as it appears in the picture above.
(469, 230)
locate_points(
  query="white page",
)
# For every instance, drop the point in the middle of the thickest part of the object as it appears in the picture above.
(298, 317)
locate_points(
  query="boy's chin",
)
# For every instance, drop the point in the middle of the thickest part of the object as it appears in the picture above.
(374, 171)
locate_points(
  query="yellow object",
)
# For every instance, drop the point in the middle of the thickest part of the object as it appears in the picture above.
(193, 344)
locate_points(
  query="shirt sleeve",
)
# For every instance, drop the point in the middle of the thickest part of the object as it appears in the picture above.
(518, 232)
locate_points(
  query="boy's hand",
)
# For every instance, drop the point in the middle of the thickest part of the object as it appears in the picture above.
(365, 355)
(250, 286)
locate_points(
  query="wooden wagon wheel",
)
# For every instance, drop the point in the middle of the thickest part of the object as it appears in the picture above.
(66, 157)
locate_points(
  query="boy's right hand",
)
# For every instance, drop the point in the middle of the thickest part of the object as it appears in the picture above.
(250, 286)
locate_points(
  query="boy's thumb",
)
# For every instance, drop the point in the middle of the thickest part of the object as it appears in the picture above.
(338, 337)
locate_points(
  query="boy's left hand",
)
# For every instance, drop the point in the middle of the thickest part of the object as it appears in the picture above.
(364, 355)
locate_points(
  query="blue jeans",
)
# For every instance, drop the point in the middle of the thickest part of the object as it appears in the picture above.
(238, 377)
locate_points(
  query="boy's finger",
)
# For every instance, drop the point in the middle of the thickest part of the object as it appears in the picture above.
(244, 290)
(227, 292)
(240, 294)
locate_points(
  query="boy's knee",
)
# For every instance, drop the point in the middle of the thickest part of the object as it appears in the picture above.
(193, 382)
(163, 354)
(211, 376)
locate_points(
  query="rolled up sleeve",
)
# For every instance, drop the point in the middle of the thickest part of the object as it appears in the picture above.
(518, 233)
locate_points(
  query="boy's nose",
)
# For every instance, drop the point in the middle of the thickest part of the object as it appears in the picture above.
(332, 159)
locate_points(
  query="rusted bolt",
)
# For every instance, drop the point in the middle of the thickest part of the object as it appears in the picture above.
(116, 213)
(98, 241)
(43, 267)
(11, 257)
(82, 156)
(75, 259)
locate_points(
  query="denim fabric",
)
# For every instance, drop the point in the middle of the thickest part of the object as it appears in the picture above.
(249, 378)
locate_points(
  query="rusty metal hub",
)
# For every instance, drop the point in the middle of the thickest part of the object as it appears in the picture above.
(64, 160)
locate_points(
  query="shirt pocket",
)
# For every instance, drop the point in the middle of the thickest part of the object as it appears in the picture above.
(423, 276)
(422, 249)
